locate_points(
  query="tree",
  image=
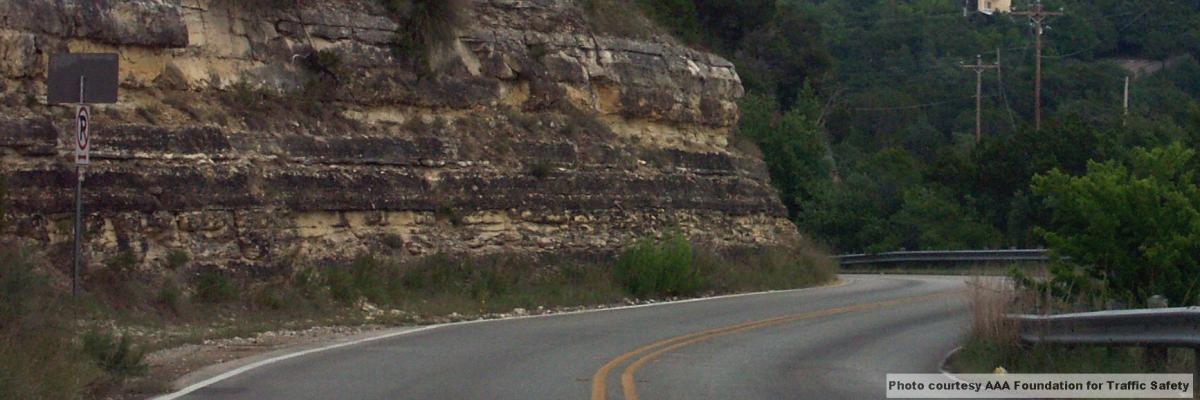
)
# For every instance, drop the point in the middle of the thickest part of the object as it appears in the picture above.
(728, 21)
(1133, 230)
(932, 219)
(792, 144)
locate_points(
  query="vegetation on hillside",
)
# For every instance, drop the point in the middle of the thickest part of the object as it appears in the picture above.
(866, 118)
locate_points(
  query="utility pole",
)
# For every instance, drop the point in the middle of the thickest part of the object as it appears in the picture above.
(1038, 15)
(979, 67)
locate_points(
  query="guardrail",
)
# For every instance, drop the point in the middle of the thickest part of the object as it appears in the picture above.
(958, 256)
(1169, 327)
(1157, 328)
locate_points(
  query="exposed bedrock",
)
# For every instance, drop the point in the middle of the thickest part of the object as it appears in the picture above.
(250, 134)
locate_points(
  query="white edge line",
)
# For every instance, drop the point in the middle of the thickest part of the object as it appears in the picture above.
(243, 369)
(946, 359)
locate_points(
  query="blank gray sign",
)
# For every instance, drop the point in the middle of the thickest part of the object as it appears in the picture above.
(99, 70)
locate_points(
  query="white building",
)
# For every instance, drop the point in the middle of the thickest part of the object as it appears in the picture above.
(990, 7)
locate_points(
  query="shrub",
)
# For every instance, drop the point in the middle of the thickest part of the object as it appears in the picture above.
(170, 296)
(426, 26)
(309, 283)
(650, 268)
(115, 356)
(271, 297)
(541, 169)
(213, 286)
(581, 122)
(1131, 232)
(392, 241)
(177, 258)
(364, 278)
(446, 212)
(117, 280)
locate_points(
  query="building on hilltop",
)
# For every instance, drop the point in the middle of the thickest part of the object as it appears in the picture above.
(989, 6)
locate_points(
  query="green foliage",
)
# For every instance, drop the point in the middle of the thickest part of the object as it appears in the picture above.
(214, 286)
(541, 169)
(170, 296)
(177, 258)
(365, 278)
(931, 219)
(779, 267)
(21, 288)
(792, 145)
(328, 60)
(651, 268)
(677, 16)
(116, 356)
(1132, 229)
(118, 281)
(40, 362)
(449, 213)
(426, 26)
(982, 356)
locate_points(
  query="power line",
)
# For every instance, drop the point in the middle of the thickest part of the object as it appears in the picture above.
(913, 107)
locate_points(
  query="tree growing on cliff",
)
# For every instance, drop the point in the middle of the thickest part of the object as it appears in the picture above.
(426, 27)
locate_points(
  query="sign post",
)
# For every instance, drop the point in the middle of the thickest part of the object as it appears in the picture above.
(96, 75)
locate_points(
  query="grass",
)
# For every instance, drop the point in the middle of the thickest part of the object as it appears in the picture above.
(994, 343)
(38, 358)
(43, 357)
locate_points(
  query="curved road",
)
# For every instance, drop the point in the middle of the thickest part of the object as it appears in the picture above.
(835, 342)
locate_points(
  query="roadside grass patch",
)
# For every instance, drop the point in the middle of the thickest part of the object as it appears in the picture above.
(994, 341)
(45, 357)
(39, 357)
(115, 355)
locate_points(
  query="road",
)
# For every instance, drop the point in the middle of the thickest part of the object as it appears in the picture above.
(835, 342)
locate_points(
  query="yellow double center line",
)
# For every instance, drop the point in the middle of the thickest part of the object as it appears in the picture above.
(654, 350)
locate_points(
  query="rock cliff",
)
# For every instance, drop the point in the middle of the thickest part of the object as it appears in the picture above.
(252, 132)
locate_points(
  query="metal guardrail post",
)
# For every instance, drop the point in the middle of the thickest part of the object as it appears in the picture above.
(1155, 357)
(1195, 370)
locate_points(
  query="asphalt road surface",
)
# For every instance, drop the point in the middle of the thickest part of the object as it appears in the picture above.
(835, 342)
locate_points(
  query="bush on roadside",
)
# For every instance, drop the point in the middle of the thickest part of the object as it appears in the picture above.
(115, 355)
(170, 297)
(214, 286)
(662, 268)
(1131, 231)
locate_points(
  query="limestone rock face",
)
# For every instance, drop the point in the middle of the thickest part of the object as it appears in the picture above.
(250, 133)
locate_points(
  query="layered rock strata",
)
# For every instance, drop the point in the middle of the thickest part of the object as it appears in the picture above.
(250, 133)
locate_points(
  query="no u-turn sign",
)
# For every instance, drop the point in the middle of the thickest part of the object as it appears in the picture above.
(83, 142)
